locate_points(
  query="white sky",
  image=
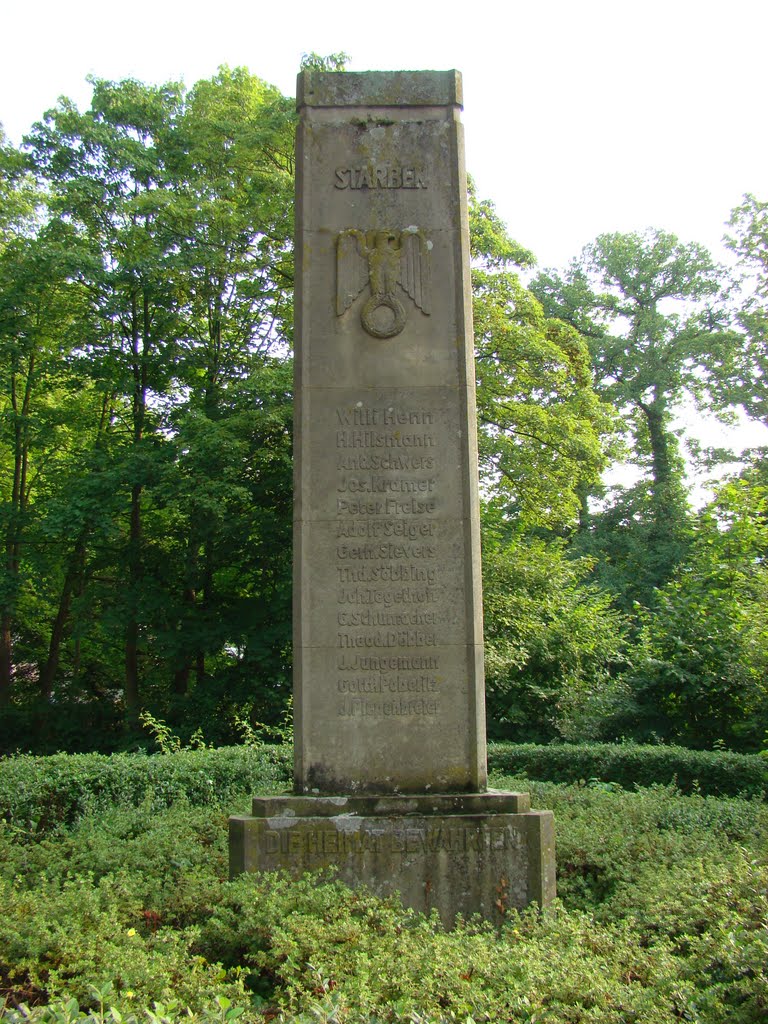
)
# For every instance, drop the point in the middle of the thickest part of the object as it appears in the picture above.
(581, 116)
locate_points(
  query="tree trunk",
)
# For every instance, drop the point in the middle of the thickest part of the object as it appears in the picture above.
(51, 666)
(182, 673)
(19, 499)
(661, 444)
(6, 668)
(73, 584)
(132, 669)
(139, 369)
(207, 596)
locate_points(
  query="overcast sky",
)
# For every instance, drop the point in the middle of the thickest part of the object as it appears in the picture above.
(581, 116)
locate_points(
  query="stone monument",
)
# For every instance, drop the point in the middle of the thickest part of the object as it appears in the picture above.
(390, 761)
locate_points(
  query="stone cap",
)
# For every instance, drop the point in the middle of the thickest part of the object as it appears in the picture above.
(379, 89)
(385, 806)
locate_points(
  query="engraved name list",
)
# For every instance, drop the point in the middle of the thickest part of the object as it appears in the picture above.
(387, 564)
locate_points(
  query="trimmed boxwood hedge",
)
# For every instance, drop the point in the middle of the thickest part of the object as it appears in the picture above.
(42, 792)
(710, 772)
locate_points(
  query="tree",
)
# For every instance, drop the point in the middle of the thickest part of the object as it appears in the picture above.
(650, 308)
(543, 430)
(39, 304)
(701, 676)
(554, 645)
(158, 571)
(551, 639)
(20, 198)
(178, 210)
(110, 180)
(748, 385)
(232, 216)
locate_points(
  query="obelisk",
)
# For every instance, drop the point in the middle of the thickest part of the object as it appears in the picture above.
(390, 765)
(387, 614)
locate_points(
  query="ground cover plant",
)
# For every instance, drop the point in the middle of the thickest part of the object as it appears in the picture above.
(120, 910)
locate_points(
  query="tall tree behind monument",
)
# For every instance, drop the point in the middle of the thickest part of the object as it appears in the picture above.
(388, 615)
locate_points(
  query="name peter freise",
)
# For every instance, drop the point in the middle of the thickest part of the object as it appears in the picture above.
(390, 507)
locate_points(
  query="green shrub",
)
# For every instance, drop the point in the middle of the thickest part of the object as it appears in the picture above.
(629, 765)
(380, 962)
(62, 938)
(370, 960)
(68, 1011)
(607, 837)
(169, 864)
(125, 915)
(40, 793)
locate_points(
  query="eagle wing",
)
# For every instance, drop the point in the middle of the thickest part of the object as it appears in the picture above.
(351, 268)
(415, 267)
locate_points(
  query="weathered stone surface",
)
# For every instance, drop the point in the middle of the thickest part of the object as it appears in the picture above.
(379, 88)
(388, 621)
(456, 854)
(390, 760)
(421, 804)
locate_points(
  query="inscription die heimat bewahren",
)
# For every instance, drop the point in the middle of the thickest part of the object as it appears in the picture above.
(453, 839)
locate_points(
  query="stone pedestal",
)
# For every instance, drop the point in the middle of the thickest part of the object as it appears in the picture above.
(458, 854)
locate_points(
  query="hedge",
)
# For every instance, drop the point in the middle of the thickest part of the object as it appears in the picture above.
(712, 773)
(40, 793)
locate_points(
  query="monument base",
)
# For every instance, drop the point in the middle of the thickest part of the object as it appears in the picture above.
(459, 854)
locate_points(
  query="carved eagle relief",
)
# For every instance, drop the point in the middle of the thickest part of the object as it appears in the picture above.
(383, 259)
